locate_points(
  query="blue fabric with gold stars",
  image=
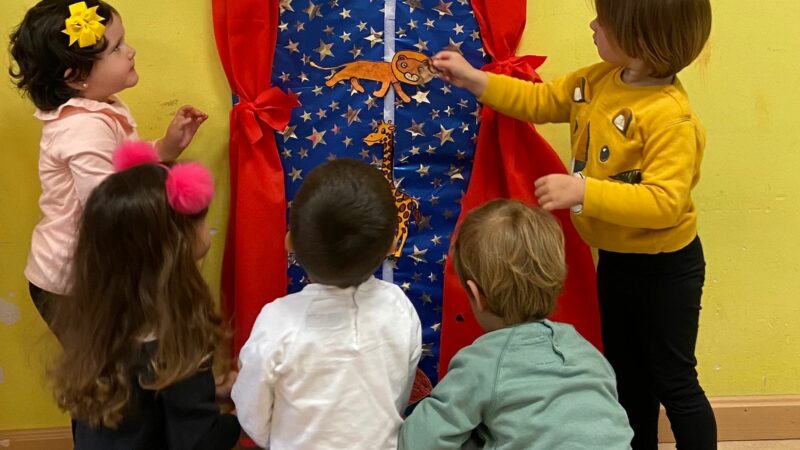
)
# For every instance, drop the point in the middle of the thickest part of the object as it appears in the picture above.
(435, 131)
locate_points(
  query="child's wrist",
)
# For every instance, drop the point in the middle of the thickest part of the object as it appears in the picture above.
(478, 82)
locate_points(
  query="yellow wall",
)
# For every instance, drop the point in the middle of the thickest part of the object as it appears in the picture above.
(750, 215)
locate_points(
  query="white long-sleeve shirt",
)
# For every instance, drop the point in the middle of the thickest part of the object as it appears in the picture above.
(329, 368)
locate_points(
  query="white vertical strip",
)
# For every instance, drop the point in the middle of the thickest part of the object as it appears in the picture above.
(389, 10)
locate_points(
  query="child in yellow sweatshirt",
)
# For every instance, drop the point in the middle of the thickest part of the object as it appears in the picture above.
(636, 152)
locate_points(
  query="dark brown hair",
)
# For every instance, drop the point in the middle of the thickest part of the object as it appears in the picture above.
(42, 55)
(342, 222)
(134, 278)
(515, 255)
(667, 34)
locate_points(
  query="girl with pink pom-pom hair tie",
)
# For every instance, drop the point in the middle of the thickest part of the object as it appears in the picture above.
(71, 59)
(139, 329)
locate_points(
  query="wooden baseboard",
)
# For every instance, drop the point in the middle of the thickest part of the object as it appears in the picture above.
(750, 418)
(738, 419)
(37, 439)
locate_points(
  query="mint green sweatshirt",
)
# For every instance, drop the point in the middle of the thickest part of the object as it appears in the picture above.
(536, 385)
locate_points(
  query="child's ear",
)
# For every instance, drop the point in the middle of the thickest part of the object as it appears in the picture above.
(78, 85)
(475, 294)
(287, 242)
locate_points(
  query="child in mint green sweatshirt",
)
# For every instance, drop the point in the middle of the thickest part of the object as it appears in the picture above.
(528, 383)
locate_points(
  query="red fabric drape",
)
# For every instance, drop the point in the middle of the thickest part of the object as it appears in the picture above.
(254, 264)
(509, 157)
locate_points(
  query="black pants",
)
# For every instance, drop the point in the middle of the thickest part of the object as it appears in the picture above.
(650, 306)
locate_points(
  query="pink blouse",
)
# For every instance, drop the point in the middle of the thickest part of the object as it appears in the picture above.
(75, 156)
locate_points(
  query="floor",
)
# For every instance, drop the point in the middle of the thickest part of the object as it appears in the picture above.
(751, 445)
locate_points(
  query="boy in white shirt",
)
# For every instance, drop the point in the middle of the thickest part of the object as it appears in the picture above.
(331, 367)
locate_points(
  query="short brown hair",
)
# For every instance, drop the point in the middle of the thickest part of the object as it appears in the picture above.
(342, 222)
(515, 254)
(668, 34)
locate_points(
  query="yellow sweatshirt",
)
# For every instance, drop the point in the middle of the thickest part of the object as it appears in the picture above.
(639, 148)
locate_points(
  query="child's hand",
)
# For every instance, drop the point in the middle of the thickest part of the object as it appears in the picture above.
(454, 69)
(559, 191)
(224, 384)
(180, 132)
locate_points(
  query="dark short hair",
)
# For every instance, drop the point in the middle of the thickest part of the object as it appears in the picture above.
(342, 222)
(42, 55)
(668, 34)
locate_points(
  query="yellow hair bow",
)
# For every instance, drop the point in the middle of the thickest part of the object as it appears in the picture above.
(83, 25)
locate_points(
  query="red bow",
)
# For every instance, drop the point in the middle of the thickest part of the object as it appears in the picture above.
(273, 108)
(523, 67)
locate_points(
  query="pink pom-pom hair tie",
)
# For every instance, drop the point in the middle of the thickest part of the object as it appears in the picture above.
(189, 186)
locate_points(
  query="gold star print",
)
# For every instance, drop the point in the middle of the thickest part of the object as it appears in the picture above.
(331, 157)
(284, 77)
(436, 183)
(446, 89)
(287, 153)
(306, 116)
(426, 298)
(419, 256)
(292, 47)
(283, 26)
(412, 24)
(416, 129)
(306, 59)
(345, 13)
(334, 106)
(356, 51)
(458, 29)
(436, 239)
(362, 26)
(401, 32)
(455, 173)
(463, 103)
(414, 4)
(449, 111)
(324, 49)
(421, 96)
(431, 150)
(405, 286)
(328, 30)
(347, 142)
(434, 201)
(299, 26)
(475, 35)
(316, 137)
(433, 277)
(434, 114)
(364, 154)
(375, 37)
(303, 153)
(352, 115)
(296, 174)
(370, 102)
(461, 154)
(423, 170)
(286, 5)
(444, 135)
(464, 127)
(414, 150)
(333, 3)
(476, 114)
(322, 113)
(317, 90)
(417, 277)
(443, 8)
(288, 133)
(336, 130)
(421, 45)
(454, 46)
(313, 11)
(345, 36)
(303, 77)
(435, 327)
(430, 23)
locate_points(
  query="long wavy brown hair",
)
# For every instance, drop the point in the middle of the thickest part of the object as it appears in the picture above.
(134, 279)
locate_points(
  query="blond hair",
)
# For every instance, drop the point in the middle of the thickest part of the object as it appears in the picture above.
(515, 254)
(667, 34)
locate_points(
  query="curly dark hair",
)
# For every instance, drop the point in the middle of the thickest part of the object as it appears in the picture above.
(44, 64)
